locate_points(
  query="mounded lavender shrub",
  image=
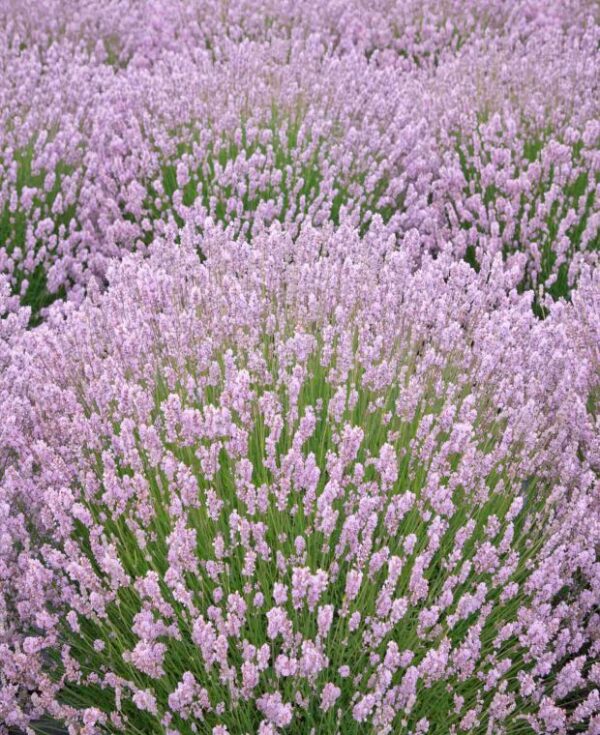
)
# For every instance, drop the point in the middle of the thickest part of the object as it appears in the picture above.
(285, 131)
(303, 486)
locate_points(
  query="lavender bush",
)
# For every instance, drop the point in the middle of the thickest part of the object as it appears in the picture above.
(300, 367)
(302, 486)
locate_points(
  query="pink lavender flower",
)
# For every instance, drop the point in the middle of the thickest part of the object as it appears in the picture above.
(309, 438)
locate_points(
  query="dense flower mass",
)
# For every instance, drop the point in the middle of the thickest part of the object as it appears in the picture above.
(117, 120)
(302, 484)
(300, 367)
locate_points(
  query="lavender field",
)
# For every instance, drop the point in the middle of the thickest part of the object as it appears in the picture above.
(300, 367)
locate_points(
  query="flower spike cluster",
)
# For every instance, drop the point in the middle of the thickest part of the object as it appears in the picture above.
(302, 486)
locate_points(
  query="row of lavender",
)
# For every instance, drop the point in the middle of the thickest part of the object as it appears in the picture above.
(305, 438)
(476, 125)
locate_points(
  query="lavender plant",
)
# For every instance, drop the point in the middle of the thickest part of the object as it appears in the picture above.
(528, 186)
(301, 487)
(249, 139)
